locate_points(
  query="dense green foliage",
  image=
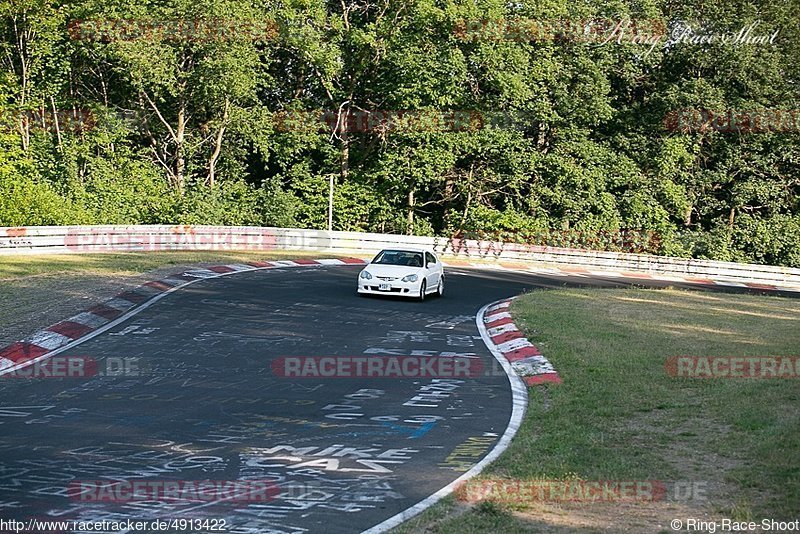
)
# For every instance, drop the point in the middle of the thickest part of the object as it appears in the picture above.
(190, 122)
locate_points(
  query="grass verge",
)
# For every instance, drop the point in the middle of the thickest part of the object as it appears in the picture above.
(127, 263)
(724, 448)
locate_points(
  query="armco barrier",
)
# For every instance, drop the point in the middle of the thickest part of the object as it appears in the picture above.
(82, 239)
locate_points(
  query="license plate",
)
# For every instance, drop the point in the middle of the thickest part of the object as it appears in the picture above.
(384, 287)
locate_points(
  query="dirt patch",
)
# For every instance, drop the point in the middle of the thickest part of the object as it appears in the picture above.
(630, 518)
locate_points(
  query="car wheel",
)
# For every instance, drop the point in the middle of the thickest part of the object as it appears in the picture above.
(422, 290)
(440, 288)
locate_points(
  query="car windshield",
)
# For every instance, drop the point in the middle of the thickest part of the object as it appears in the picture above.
(399, 257)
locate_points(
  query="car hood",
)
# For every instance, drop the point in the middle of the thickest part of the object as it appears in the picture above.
(394, 271)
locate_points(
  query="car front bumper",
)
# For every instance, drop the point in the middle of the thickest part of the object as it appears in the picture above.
(397, 288)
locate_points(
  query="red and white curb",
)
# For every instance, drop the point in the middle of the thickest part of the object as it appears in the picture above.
(519, 403)
(69, 332)
(580, 272)
(524, 357)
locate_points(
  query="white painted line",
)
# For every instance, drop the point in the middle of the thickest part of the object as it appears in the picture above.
(241, 267)
(514, 344)
(201, 273)
(501, 306)
(331, 262)
(502, 329)
(172, 282)
(519, 402)
(48, 340)
(122, 318)
(88, 319)
(4, 363)
(497, 316)
(532, 367)
(118, 304)
(536, 358)
(495, 313)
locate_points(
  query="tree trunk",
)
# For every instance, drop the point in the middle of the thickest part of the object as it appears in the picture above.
(212, 162)
(180, 157)
(22, 51)
(342, 125)
(411, 212)
(345, 153)
(56, 125)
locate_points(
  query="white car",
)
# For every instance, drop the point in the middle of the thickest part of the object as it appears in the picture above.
(406, 272)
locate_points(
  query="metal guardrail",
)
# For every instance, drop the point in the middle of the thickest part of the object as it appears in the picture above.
(143, 238)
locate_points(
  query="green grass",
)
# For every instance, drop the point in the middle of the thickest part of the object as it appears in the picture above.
(451, 517)
(620, 416)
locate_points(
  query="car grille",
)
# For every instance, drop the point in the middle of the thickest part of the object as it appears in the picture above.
(386, 278)
(392, 290)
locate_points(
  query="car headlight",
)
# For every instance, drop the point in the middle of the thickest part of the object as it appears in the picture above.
(365, 275)
(410, 278)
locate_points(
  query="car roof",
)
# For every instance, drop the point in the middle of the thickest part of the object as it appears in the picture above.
(406, 249)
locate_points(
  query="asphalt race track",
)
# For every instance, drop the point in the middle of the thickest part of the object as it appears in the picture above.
(199, 401)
